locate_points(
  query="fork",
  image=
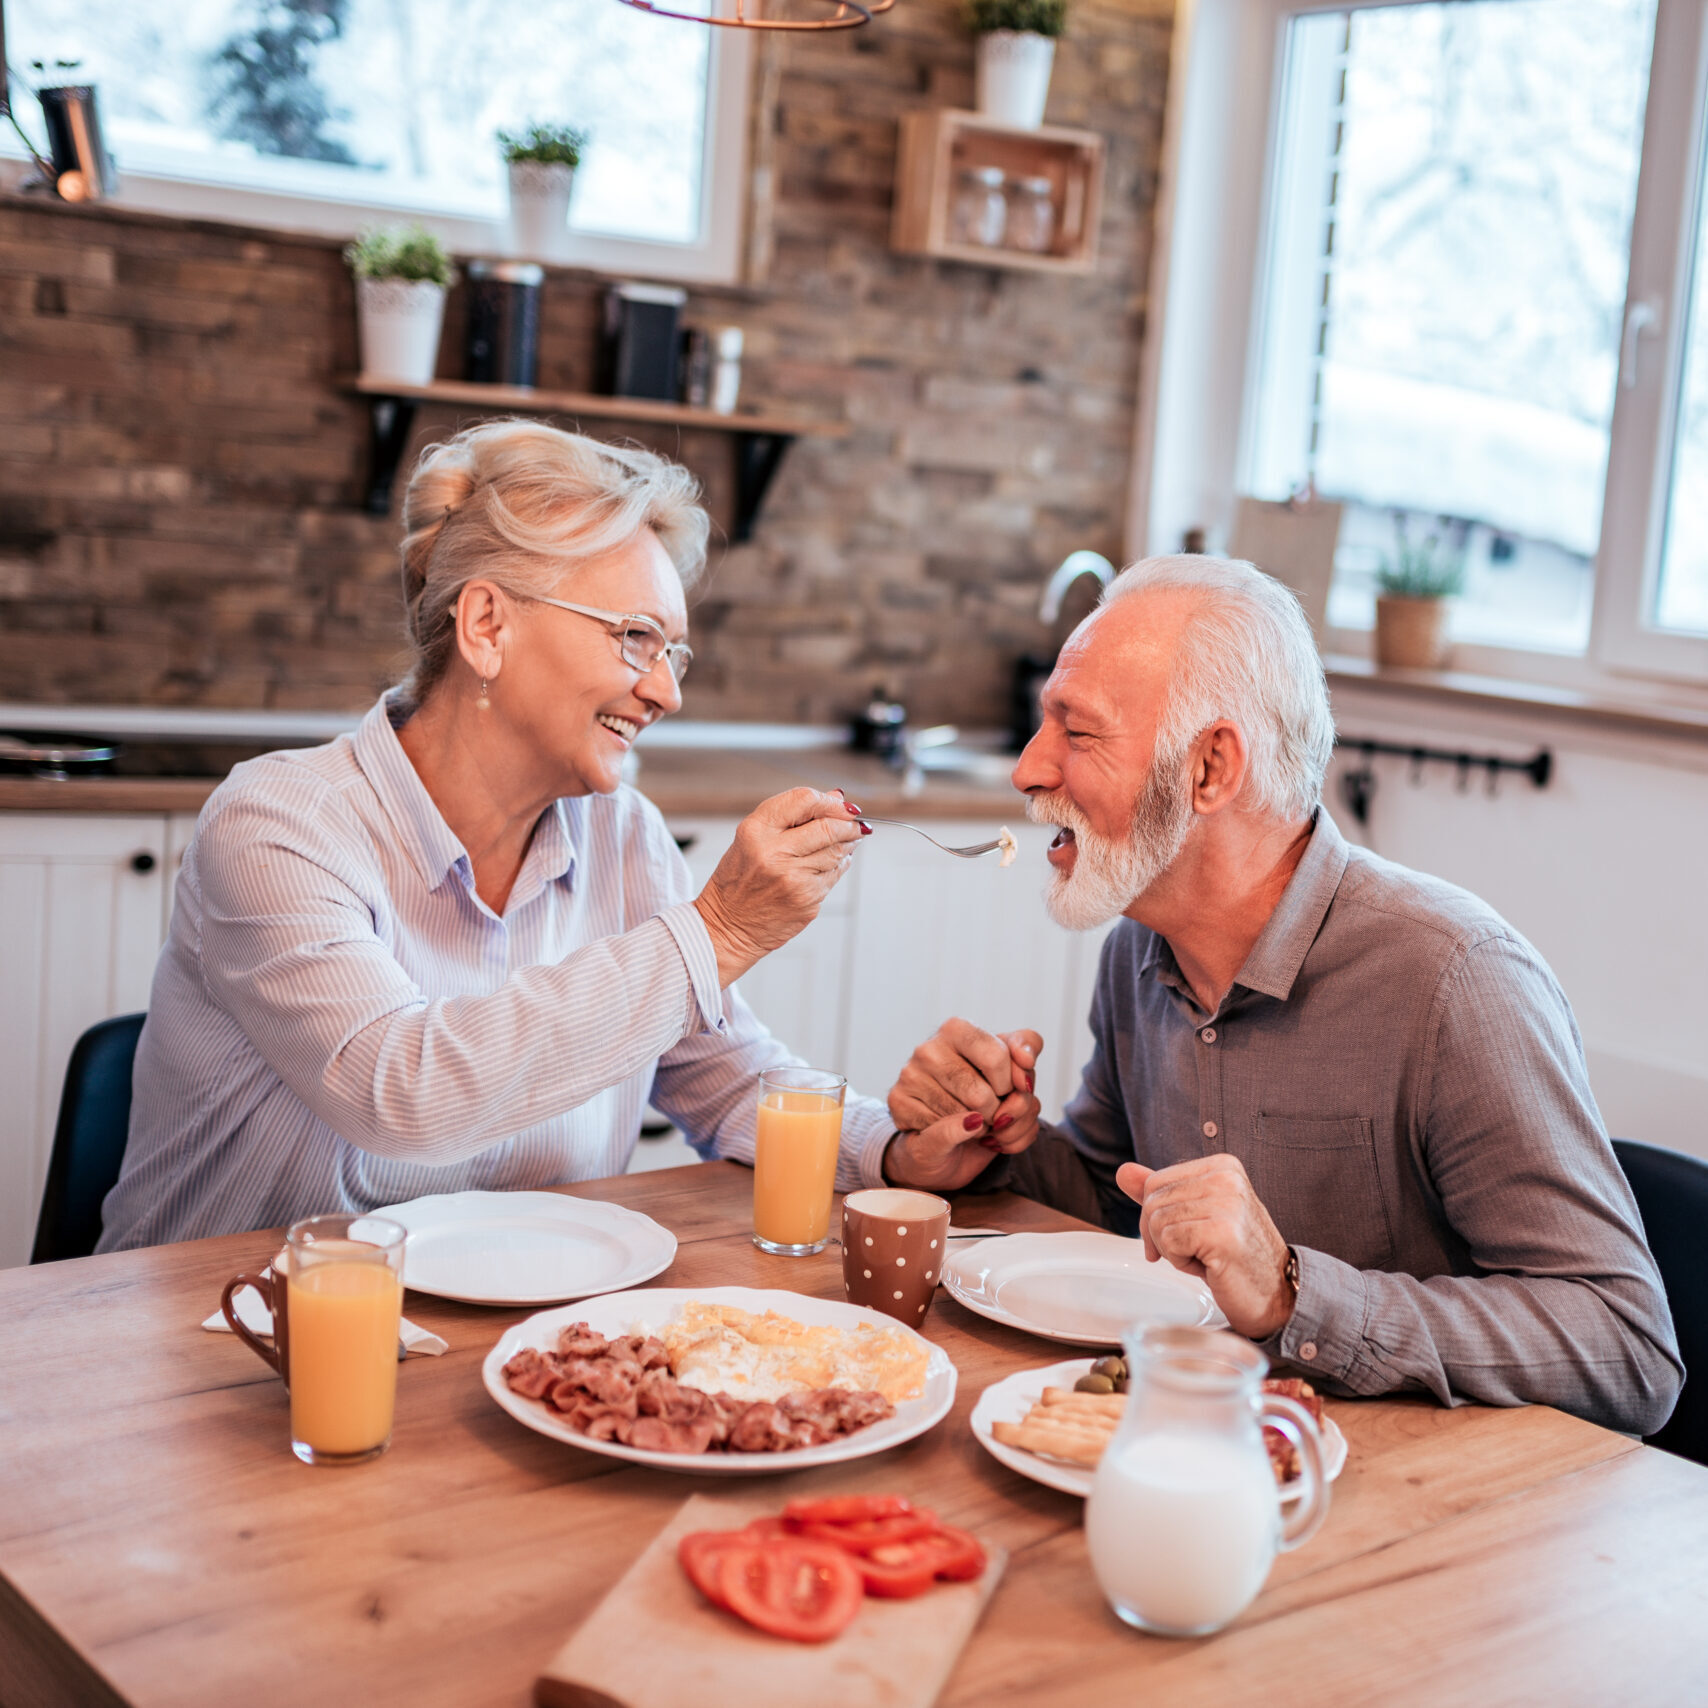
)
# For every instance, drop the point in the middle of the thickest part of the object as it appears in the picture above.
(970, 852)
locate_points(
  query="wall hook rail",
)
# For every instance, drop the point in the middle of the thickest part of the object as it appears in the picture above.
(1358, 782)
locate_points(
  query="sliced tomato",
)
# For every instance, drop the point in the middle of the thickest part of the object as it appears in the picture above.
(862, 1536)
(846, 1509)
(700, 1553)
(765, 1528)
(954, 1554)
(791, 1587)
(898, 1571)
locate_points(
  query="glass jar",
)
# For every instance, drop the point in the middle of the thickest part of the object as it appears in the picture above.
(1031, 215)
(1184, 1520)
(980, 215)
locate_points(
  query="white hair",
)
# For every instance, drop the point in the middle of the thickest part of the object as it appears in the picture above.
(1247, 654)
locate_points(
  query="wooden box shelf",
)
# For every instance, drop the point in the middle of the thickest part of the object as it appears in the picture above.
(938, 146)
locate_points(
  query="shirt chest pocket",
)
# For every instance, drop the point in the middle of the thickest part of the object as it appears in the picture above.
(1320, 1182)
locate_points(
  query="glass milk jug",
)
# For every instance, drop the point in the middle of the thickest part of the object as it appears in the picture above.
(1184, 1519)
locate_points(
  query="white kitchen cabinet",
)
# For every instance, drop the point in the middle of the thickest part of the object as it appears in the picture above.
(800, 990)
(912, 936)
(82, 912)
(937, 937)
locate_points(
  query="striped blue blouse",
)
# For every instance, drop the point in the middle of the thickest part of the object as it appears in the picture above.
(338, 1021)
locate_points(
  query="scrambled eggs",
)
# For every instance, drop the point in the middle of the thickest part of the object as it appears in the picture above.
(723, 1349)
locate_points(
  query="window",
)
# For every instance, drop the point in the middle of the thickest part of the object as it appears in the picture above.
(1457, 291)
(333, 114)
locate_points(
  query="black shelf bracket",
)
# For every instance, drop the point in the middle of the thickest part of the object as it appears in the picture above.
(390, 420)
(758, 456)
(1358, 782)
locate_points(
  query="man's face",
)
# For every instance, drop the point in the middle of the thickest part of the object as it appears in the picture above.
(1093, 770)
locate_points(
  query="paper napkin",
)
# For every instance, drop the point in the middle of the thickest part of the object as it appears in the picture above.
(259, 1320)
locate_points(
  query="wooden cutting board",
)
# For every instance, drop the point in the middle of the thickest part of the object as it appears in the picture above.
(654, 1642)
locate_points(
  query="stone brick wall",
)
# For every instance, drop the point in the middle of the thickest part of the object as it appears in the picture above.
(179, 477)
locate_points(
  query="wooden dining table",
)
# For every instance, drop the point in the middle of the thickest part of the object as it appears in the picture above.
(160, 1545)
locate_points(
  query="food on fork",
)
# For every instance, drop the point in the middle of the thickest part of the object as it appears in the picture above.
(1010, 847)
(803, 1575)
(1074, 1425)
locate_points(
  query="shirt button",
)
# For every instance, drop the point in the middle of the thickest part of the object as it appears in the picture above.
(1208, 1034)
(1209, 1129)
(1308, 1350)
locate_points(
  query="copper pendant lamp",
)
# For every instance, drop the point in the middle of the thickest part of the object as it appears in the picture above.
(757, 15)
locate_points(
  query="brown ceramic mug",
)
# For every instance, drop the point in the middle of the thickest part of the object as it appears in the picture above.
(893, 1241)
(270, 1284)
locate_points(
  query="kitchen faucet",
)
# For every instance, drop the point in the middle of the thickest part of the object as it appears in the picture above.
(1068, 571)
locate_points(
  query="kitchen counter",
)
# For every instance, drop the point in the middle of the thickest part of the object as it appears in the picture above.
(682, 779)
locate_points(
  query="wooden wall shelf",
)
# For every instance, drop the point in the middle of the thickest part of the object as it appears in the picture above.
(938, 146)
(760, 438)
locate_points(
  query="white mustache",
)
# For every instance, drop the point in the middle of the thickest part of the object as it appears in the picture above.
(1057, 809)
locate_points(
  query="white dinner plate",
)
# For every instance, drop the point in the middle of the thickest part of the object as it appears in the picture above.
(526, 1248)
(650, 1309)
(1084, 1288)
(1009, 1400)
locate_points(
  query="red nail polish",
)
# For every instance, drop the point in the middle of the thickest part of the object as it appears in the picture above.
(865, 830)
(1025, 1081)
(989, 1143)
(853, 810)
(973, 1123)
(1000, 1122)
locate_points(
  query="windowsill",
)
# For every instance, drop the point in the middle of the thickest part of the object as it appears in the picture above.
(1681, 713)
(117, 208)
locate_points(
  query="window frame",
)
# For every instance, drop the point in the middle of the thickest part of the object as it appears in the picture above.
(715, 258)
(1216, 233)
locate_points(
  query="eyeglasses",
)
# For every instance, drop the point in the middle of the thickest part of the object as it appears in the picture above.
(641, 640)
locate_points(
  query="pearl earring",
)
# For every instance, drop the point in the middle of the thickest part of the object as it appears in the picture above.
(483, 704)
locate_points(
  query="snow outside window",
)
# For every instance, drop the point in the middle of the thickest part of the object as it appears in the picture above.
(1442, 299)
(392, 106)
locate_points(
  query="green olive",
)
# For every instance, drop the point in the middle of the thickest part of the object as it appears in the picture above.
(1093, 1383)
(1114, 1368)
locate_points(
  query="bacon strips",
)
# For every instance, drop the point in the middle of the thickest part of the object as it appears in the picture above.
(622, 1390)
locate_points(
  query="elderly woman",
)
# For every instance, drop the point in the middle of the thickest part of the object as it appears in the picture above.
(451, 950)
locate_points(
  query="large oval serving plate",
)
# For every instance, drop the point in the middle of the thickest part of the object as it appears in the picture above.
(526, 1248)
(1009, 1400)
(1085, 1288)
(650, 1309)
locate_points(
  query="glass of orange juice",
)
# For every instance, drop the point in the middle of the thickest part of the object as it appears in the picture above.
(344, 1291)
(794, 1159)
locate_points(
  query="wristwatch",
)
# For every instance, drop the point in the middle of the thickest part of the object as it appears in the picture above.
(1292, 1272)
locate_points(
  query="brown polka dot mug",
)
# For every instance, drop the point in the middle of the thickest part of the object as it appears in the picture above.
(892, 1250)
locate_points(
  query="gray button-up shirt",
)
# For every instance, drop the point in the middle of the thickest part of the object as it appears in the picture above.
(1403, 1080)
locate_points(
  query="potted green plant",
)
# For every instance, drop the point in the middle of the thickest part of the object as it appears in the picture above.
(541, 163)
(401, 276)
(1414, 583)
(1016, 49)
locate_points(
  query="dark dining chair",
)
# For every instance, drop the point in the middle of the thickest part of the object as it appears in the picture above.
(89, 1142)
(1672, 1193)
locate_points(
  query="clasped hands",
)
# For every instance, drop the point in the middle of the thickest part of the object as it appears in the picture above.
(966, 1095)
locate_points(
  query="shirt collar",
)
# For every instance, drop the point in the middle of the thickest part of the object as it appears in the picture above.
(430, 843)
(1292, 928)
(432, 846)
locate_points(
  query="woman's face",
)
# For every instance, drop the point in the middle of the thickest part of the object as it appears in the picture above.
(565, 691)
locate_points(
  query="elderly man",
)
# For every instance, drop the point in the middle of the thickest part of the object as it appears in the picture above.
(1350, 1096)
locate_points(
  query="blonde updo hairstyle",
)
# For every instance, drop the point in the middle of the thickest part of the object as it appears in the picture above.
(519, 504)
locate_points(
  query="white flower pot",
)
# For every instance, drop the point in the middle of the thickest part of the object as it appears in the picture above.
(539, 208)
(399, 323)
(1013, 77)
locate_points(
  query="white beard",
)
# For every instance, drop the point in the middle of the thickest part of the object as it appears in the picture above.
(1108, 876)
